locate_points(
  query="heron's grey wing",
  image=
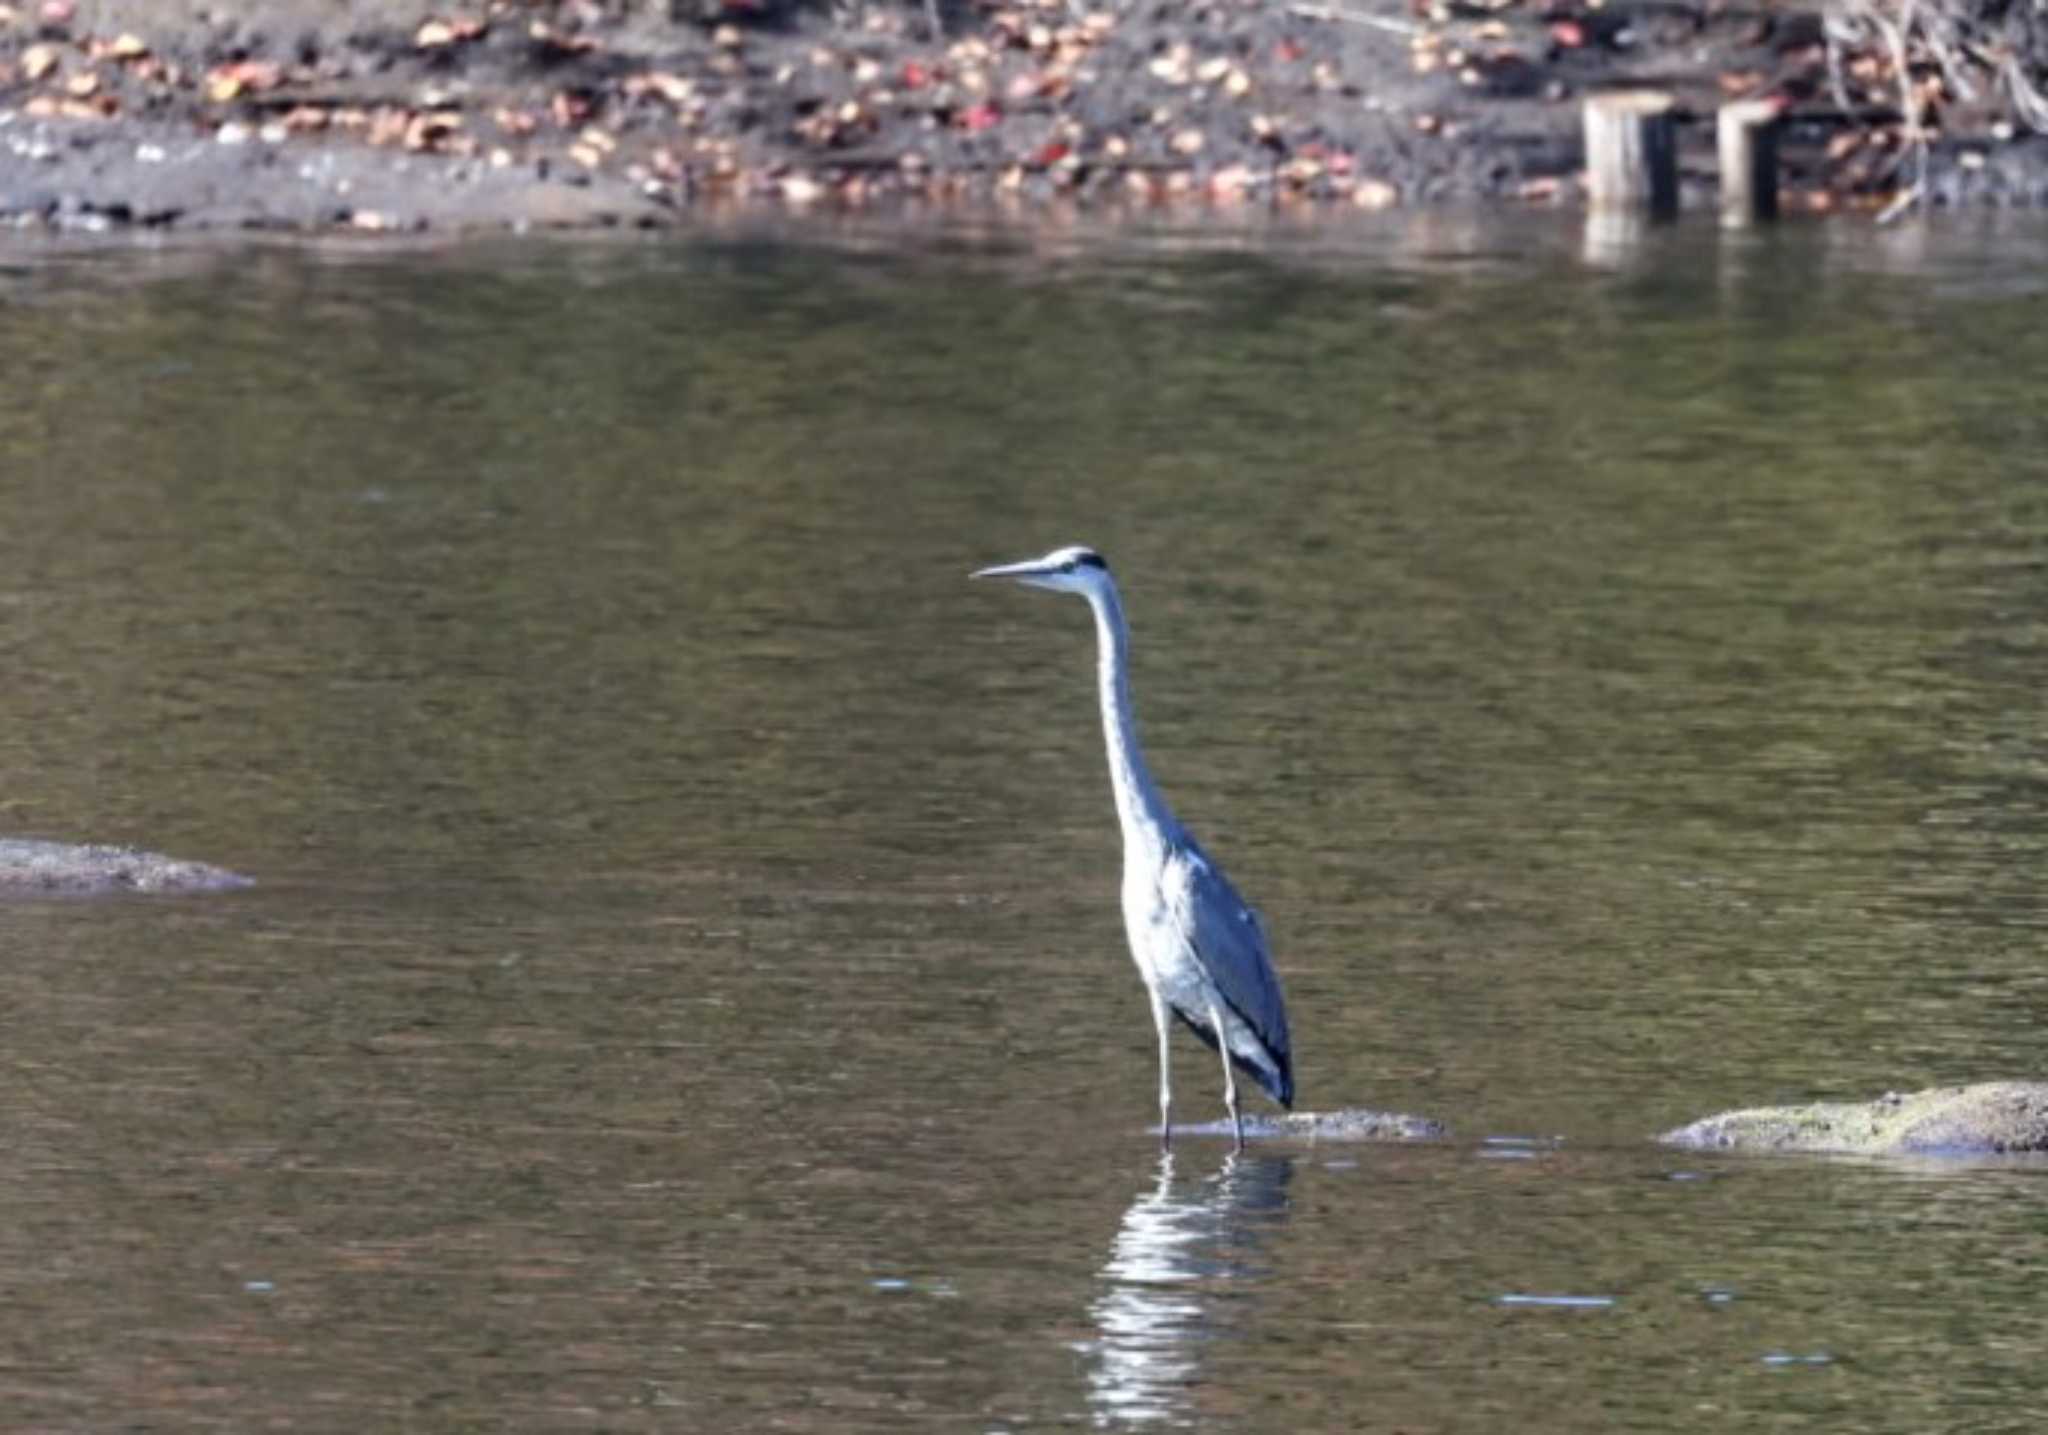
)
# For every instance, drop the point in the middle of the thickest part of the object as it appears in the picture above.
(1227, 938)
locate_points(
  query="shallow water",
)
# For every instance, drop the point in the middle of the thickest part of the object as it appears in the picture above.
(685, 988)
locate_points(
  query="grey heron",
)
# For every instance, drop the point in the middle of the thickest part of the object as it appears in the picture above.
(1198, 945)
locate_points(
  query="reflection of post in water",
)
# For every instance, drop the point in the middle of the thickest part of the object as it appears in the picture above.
(1179, 1241)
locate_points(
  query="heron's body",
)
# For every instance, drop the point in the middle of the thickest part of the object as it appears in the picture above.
(1198, 945)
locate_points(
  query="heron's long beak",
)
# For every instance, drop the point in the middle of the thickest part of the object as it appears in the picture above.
(1032, 568)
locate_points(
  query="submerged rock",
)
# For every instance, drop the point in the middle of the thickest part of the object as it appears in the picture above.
(64, 867)
(1988, 1118)
(1347, 1124)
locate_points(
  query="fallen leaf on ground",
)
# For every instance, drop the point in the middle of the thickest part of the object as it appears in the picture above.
(549, 38)
(431, 131)
(225, 82)
(569, 108)
(1231, 181)
(673, 88)
(388, 125)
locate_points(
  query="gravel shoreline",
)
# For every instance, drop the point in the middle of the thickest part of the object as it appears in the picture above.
(392, 118)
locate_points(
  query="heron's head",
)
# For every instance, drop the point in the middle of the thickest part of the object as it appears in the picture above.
(1064, 570)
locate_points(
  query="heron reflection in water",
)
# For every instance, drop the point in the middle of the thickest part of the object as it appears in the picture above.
(1180, 1242)
(1199, 946)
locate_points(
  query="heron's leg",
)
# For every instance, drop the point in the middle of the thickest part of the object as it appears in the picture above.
(1159, 1019)
(1229, 1077)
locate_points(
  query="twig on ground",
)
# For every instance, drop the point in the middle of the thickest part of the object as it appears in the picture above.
(1331, 12)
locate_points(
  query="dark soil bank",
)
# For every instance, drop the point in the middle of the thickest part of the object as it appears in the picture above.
(378, 115)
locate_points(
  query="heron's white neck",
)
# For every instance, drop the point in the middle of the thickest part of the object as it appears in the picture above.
(1140, 810)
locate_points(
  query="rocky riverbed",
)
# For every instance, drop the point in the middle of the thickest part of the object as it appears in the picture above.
(29, 867)
(1990, 1118)
(379, 117)
(1344, 1124)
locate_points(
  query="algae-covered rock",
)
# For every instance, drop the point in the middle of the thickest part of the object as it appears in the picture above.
(28, 867)
(1347, 1124)
(1991, 1117)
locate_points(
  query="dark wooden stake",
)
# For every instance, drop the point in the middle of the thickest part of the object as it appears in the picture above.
(1632, 152)
(1747, 134)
